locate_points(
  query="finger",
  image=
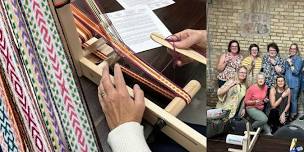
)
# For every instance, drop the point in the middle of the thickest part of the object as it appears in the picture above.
(103, 104)
(184, 34)
(181, 34)
(138, 96)
(106, 81)
(119, 80)
(101, 98)
(173, 38)
(184, 43)
(100, 89)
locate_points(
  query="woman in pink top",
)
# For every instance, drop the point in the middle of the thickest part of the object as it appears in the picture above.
(254, 102)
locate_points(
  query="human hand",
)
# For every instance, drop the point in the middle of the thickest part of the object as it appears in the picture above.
(278, 69)
(285, 94)
(272, 61)
(258, 101)
(227, 60)
(282, 118)
(190, 37)
(266, 100)
(243, 112)
(289, 60)
(253, 63)
(186, 39)
(232, 83)
(115, 100)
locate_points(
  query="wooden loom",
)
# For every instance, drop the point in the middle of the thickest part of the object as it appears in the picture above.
(248, 143)
(85, 66)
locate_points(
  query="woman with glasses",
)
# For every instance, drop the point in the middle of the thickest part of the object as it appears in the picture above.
(272, 64)
(253, 63)
(229, 63)
(232, 92)
(230, 96)
(254, 103)
(293, 65)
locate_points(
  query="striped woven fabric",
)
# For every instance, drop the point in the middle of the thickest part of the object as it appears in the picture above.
(35, 73)
(58, 72)
(36, 105)
(3, 147)
(10, 138)
(41, 81)
(20, 90)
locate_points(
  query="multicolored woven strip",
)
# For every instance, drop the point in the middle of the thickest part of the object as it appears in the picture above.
(10, 138)
(3, 147)
(21, 94)
(35, 72)
(59, 75)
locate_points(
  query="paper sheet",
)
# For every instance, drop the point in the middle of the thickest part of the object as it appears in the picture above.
(135, 25)
(153, 4)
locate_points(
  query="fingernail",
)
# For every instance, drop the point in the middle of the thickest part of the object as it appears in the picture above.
(136, 86)
(117, 65)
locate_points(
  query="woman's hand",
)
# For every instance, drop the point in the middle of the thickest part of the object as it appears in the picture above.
(272, 61)
(285, 94)
(191, 37)
(282, 118)
(243, 112)
(278, 69)
(115, 100)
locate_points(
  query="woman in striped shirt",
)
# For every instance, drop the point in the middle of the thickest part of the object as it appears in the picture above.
(253, 63)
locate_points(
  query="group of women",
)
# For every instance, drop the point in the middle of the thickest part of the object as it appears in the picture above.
(267, 86)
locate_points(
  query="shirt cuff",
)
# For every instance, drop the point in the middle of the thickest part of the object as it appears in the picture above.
(128, 137)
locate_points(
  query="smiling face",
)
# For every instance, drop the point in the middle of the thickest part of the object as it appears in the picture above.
(272, 52)
(242, 74)
(254, 51)
(234, 48)
(280, 82)
(293, 50)
(260, 79)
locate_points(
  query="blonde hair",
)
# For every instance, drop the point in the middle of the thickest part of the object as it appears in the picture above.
(237, 74)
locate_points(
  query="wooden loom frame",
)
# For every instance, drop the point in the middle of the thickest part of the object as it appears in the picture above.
(248, 143)
(174, 128)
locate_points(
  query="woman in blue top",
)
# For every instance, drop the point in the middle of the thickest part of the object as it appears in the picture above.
(293, 65)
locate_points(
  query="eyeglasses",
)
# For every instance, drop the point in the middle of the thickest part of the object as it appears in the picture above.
(234, 46)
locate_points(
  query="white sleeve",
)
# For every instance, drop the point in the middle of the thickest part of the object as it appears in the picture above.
(128, 137)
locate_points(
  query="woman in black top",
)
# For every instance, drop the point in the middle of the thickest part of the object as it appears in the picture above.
(280, 102)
